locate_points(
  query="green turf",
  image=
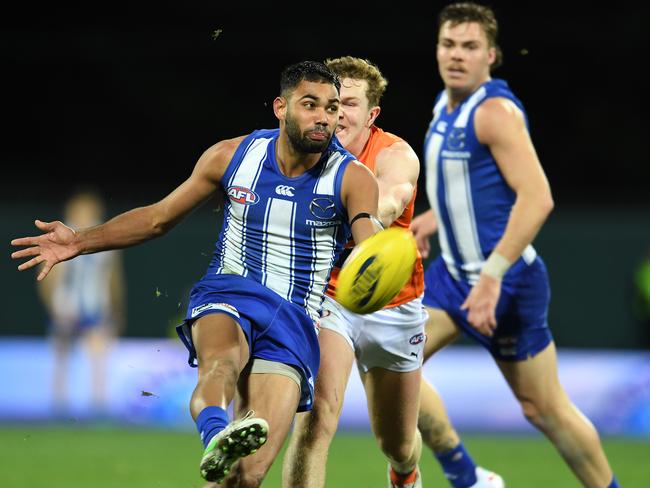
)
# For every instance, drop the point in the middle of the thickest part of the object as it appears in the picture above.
(70, 458)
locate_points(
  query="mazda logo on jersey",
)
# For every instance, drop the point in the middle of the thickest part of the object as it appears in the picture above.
(322, 208)
(242, 195)
(284, 190)
(456, 138)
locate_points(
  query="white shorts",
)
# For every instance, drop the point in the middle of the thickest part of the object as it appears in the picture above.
(391, 338)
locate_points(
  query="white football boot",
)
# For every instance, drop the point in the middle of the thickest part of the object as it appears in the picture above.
(487, 479)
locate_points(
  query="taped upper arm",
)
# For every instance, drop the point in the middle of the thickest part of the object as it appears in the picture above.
(359, 194)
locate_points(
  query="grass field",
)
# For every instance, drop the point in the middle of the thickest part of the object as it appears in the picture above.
(101, 458)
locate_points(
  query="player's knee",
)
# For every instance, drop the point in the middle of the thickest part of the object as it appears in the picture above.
(218, 367)
(530, 411)
(318, 428)
(398, 452)
(541, 413)
(323, 419)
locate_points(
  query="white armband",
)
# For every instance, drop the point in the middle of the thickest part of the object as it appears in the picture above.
(496, 266)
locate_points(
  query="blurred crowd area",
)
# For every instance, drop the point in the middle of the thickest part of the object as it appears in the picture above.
(597, 260)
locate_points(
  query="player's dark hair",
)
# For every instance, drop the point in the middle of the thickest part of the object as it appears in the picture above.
(307, 71)
(462, 12)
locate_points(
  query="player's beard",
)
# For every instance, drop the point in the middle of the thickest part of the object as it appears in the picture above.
(301, 142)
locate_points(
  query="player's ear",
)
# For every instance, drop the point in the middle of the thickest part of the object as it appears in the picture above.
(372, 116)
(280, 107)
(492, 55)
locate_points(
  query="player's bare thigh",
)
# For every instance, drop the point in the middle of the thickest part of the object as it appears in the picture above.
(337, 358)
(441, 331)
(535, 379)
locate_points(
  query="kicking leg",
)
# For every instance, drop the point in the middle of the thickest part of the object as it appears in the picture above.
(222, 353)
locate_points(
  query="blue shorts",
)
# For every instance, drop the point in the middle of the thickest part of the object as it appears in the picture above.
(276, 329)
(83, 323)
(522, 311)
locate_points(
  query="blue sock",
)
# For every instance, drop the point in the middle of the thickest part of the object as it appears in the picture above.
(458, 466)
(614, 483)
(210, 422)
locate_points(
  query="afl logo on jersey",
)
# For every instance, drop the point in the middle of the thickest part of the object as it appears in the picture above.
(242, 195)
(417, 339)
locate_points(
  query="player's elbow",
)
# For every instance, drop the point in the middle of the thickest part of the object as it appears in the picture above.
(158, 229)
(389, 211)
(539, 203)
(546, 204)
(159, 224)
(387, 217)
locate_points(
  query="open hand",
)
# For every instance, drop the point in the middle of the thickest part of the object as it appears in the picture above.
(55, 245)
(481, 304)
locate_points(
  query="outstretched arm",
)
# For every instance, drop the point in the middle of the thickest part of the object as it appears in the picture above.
(397, 169)
(59, 242)
(500, 125)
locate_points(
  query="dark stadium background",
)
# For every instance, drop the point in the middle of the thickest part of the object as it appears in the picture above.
(126, 97)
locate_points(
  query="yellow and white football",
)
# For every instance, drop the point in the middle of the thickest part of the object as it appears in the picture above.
(377, 270)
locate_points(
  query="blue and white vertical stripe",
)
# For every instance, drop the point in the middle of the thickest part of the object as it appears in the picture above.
(275, 237)
(466, 190)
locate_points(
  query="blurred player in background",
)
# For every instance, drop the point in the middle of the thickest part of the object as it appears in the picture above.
(489, 198)
(84, 299)
(388, 344)
(293, 197)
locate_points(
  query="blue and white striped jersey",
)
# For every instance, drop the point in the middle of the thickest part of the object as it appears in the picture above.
(466, 190)
(285, 233)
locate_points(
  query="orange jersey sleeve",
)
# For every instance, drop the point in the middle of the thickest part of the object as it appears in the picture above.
(415, 286)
